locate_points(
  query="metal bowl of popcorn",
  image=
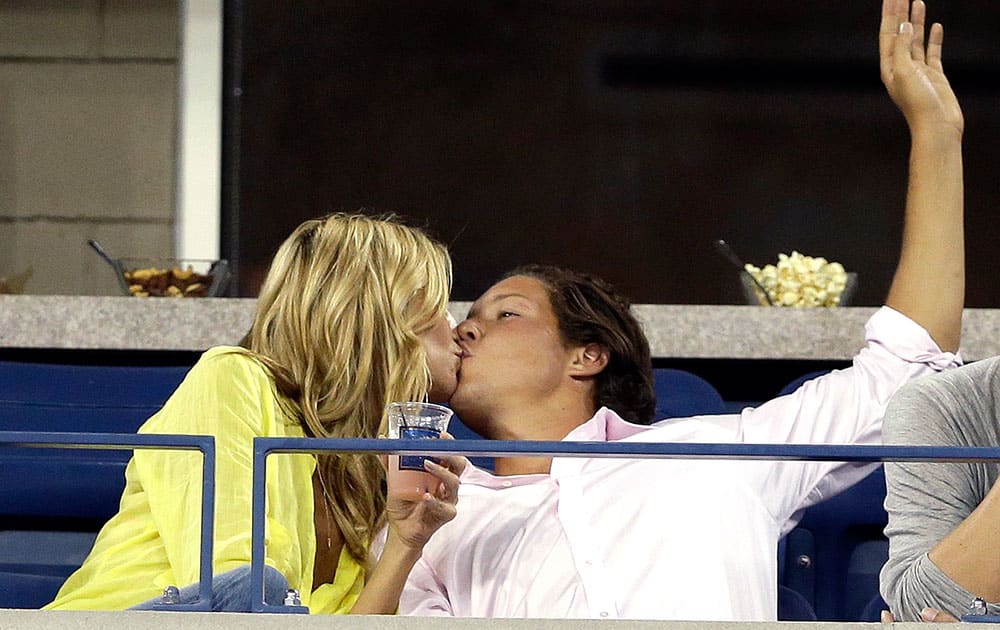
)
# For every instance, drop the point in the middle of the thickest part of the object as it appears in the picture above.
(799, 281)
(168, 277)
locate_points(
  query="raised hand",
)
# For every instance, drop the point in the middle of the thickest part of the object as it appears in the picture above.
(929, 284)
(912, 72)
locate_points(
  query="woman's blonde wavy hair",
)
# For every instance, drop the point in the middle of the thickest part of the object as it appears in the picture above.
(338, 322)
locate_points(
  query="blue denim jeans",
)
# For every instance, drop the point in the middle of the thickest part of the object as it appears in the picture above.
(231, 591)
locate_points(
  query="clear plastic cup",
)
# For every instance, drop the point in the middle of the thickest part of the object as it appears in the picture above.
(413, 421)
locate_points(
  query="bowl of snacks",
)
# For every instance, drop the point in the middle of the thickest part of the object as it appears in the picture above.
(168, 277)
(799, 281)
(173, 277)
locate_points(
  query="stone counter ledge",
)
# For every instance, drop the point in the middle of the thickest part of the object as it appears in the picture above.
(675, 331)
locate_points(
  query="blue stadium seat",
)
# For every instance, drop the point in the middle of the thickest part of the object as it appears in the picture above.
(793, 607)
(681, 394)
(71, 398)
(873, 610)
(53, 501)
(833, 557)
(24, 590)
(42, 552)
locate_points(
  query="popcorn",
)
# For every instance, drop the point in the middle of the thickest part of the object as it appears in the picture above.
(801, 281)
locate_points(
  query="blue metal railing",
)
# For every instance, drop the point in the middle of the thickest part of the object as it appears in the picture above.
(639, 450)
(111, 441)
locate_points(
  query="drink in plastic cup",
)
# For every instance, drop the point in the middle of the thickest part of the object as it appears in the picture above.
(413, 421)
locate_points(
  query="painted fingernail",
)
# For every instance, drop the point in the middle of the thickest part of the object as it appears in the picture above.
(906, 27)
(928, 614)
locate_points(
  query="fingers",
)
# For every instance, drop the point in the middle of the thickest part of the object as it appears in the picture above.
(901, 60)
(934, 45)
(448, 488)
(454, 463)
(933, 615)
(892, 17)
(904, 23)
(437, 512)
(918, 16)
(439, 507)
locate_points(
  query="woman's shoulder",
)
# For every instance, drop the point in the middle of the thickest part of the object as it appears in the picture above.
(226, 380)
(227, 372)
(227, 353)
(229, 361)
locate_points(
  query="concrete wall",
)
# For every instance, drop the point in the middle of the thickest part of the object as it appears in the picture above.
(87, 137)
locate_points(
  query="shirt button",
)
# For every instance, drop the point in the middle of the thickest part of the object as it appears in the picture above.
(588, 563)
(507, 484)
(604, 613)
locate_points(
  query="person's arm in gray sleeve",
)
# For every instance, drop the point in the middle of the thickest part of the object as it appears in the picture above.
(944, 545)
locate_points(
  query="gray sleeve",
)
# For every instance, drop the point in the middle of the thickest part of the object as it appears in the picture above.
(925, 502)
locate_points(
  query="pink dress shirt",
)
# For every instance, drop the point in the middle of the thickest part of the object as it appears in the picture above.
(663, 539)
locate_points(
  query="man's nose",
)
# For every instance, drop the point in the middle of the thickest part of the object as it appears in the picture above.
(467, 331)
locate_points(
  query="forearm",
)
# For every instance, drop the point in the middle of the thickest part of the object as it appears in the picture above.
(385, 583)
(969, 554)
(929, 284)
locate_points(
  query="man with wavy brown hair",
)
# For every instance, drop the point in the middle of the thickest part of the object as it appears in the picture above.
(679, 539)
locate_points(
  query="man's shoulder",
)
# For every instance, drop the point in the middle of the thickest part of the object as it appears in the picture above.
(706, 428)
(714, 428)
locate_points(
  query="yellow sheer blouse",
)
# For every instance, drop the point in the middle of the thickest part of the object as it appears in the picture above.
(153, 540)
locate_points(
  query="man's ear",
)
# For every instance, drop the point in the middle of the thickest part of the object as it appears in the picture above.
(589, 360)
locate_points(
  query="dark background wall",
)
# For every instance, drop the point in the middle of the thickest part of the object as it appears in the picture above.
(614, 136)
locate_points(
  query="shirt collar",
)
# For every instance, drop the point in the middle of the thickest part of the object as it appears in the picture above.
(604, 426)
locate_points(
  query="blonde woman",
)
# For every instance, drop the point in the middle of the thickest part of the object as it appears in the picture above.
(352, 315)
